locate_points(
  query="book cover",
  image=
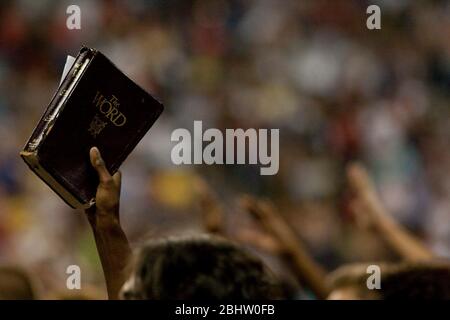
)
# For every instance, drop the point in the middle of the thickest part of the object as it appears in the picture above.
(95, 105)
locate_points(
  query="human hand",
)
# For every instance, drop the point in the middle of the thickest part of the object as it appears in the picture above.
(276, 235)
(259, 239)
(211, 210)
(365, 204)
(107, 198)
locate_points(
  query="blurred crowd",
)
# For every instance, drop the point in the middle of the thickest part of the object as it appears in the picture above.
(337, 91)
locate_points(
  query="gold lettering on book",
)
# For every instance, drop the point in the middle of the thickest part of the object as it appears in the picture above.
(110, 109)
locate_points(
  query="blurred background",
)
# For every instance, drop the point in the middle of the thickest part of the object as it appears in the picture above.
(337, 91)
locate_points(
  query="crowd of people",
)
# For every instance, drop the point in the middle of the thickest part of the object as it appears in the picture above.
(338, 92)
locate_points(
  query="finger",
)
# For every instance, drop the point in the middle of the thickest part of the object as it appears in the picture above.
(249, 204)
(99, 165)
(358, 178)
(267, 209)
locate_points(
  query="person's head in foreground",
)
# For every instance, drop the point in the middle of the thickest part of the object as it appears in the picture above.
(407, 281)
(197, 267)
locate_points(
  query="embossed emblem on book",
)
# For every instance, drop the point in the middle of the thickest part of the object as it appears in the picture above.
(96, 126)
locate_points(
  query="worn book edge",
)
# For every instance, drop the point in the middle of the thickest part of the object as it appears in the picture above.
(30, 152)
(32, 160)
(61, 98)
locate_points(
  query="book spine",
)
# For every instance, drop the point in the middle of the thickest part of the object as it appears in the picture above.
(52, 111)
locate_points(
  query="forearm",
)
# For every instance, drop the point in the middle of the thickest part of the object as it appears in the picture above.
(402, 241)
(114, 251)
(367, 204)
(306, 269)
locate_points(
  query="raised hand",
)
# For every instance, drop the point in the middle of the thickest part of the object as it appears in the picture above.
(212, 213)
(289, 245)
(107, 199)
(112, 244)
(370, 213)
(365, 205)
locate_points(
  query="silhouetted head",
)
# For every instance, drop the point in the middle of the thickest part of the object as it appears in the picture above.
(414, 281)
(200, 267)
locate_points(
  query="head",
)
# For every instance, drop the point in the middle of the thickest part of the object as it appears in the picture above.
(199, 267)
(15, 284)
(414, 281)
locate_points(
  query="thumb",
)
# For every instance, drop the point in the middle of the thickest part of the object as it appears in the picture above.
(117, 179)
(99, 165)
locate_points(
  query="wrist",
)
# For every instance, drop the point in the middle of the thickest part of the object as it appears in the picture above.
(104, 220)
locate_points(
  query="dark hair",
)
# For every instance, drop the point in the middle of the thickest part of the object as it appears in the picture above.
(200, 267)
(418, 282)
(407, 280)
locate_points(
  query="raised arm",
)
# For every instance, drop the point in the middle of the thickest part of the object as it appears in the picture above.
(112, 244)
(306, 269)
(370, 212)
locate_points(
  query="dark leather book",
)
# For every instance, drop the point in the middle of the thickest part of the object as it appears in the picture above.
(95, 105)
